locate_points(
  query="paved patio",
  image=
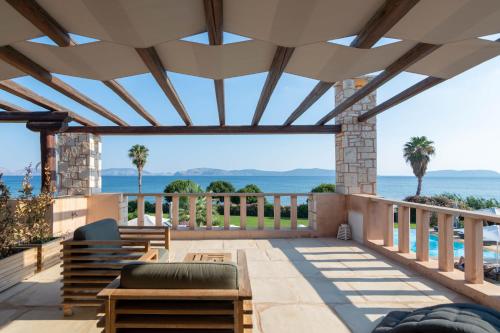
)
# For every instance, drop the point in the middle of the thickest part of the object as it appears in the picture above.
(299, 285)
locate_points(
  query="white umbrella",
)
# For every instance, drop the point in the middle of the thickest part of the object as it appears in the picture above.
(492, 234)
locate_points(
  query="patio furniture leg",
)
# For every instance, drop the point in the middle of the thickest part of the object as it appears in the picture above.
(67, 310)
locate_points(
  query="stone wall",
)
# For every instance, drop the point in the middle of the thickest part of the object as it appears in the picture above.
(79, 164)
(356, 146)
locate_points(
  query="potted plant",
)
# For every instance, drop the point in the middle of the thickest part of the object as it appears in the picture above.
(16, 264)
(32, 214)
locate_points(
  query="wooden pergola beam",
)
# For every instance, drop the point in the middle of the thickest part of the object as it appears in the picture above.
(26, 65)
(34, 13)
(418, 52)
(29, 95)
(153, 62)
(7, 106)
(281, 58)
(401, 97)
(205, 130)
(384, 19)
(214, 20)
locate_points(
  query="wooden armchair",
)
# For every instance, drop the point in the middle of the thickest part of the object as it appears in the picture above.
(96, 254)
(180, 309)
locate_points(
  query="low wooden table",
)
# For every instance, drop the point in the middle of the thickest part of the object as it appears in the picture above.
(208, 257)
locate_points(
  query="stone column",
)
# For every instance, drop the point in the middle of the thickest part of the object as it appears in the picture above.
(356, 146)
(79, 164)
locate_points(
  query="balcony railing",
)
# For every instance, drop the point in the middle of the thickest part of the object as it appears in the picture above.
(211, 200)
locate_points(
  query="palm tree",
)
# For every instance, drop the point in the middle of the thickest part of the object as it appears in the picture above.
(418, 152)
(139, 155)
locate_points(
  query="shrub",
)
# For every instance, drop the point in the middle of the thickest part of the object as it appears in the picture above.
(149, 207)
(324, 188)
(472, 202)
(250, 188)
(7, 225)
(220, 186)
(436, 200)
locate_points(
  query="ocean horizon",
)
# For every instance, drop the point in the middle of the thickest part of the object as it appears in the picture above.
(394, 187)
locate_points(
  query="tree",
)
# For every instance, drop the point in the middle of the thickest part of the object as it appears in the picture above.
(182, 186)
(249, 188)
(418, 152)
(321, 188)
(220, 186)
(139, 155)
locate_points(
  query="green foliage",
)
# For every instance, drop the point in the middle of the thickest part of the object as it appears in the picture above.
(436, 200)
(472, 202)
(139, 156)
(149, 207)
(417, 152)
(7, 225)
(220, 186)
(250, 188)
(324, 188)
(182, 186)
(252, 210)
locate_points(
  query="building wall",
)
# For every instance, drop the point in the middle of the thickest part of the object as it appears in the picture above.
(79, 164)
(356, 145)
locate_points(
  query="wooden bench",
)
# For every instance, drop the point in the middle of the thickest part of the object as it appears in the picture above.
(174, 310)
(90, 265)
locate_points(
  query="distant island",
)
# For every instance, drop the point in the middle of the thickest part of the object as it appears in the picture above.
(255, 172)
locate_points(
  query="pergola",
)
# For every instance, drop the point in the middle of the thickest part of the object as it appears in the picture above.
(438, 39)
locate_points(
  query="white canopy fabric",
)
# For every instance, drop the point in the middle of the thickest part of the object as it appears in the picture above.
(491, 233)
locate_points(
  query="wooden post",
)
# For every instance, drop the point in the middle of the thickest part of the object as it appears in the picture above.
(389, 226)
(473, 250)
(445, 251)
(209, 211)
(422, 219)
(175, 212)
(403, 229)
(260, 212)
(140, 210)
(277, 212)
(159, 210)
(311, 217)
(48, 161)
(227, 211)
(192, 212)
(243, 212)
(293, 212)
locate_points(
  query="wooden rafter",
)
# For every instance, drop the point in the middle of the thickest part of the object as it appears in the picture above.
(281, 58)
(26, 65)
(153, 62)
(418, 52)
(401, 97)
(38, 116)
(7, 106)
(205, 130)
(33, 12)
(29, 95)
(384, 19)
(214, 20)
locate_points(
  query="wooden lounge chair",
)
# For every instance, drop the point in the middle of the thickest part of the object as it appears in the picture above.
(96, 254)
(179, 297)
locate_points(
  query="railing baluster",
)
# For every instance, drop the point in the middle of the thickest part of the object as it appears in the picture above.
(277, 212)
(243, 212)
(158, 210)
(140, 210)
(403, 229)
(311, 218)
(209, 211)
(422, 219)
(227, 211)
(192, 211)
(175, 212)
(445, 233)
(389, 226)
(124, 210)
(473, 250)
(260, 212)
(293, 212)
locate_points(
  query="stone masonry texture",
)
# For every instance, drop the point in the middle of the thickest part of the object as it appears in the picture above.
(356, 145)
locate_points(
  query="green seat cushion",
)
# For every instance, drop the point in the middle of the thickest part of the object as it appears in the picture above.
(183, 275)
(98, 231)
(445, 318)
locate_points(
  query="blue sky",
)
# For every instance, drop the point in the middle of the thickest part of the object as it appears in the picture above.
(461, 115)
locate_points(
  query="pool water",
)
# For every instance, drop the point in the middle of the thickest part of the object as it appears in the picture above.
(458, 247)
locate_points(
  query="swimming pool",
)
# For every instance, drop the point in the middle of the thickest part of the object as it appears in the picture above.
(458, 247)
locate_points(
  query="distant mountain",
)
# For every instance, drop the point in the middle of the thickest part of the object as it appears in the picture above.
(7, 172)
(254, 172)
(463, 173)
(129, 172)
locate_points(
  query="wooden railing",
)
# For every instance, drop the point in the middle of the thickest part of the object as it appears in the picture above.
(211, 202)
(473, 233)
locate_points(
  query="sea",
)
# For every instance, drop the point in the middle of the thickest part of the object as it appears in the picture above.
(393, 187)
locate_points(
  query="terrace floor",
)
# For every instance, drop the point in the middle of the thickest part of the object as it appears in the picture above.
(299, 285)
